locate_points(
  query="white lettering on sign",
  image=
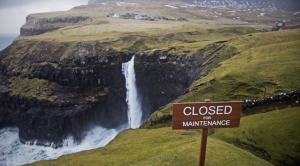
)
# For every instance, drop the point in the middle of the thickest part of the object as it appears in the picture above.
(201, 109)
(211, 110)
(219, 109)
(230, 108)
(185, 112)
(206, 117)
(207, 123)
(194, 111)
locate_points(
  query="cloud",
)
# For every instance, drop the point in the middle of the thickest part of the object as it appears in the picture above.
(13, 12)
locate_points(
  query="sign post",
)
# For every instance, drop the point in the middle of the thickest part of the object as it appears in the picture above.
(205, 115)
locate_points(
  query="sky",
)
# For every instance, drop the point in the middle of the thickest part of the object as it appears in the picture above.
(13, 12)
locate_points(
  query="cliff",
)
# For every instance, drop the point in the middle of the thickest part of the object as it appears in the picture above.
(37, 26)
(52, 90)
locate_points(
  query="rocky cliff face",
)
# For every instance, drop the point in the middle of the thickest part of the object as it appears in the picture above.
(55, 97)
(39, 26)
(54, 90)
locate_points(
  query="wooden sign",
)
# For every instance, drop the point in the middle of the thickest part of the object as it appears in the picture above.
(206, 115)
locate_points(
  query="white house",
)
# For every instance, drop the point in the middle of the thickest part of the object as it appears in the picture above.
(137, 17)
(116, 15)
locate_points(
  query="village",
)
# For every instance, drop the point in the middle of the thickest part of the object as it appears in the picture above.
(136, 16)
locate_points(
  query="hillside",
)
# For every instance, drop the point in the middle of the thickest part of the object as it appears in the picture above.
(257, 57)
(162, 146)
(95, 16)
(64, 75)
(273, 138)
(261, 65)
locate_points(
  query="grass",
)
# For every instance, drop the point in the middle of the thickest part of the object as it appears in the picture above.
(33, 88)
(248, 67)
(245, 67)
(162, 146)
(102, 27)
(273, 136)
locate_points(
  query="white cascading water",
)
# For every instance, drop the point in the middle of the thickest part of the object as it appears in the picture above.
(134, 106)
(14, 153)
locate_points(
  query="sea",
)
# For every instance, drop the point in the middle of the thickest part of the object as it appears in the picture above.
(6, 40)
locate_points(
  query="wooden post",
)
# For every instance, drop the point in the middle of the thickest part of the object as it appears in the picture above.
(203, 143)
(183, 117)
(203, 147)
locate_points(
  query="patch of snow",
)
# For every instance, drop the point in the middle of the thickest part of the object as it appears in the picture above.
(296, 13)
(125, 3)
(262, 14)
(171, 6)
(187, 5)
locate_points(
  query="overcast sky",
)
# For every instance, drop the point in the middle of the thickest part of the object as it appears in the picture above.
(13, 12)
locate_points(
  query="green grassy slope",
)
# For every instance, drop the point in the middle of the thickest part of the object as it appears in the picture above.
(162, 146)
(259, 64)
(273, 136)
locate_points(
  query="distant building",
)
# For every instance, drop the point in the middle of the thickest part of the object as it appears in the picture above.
(181, 19)
(278, 26)
(125, 16)
(144, 17)
(134, 14)
(137, 17)
(110, 14)
(158, 17)
(116, 15)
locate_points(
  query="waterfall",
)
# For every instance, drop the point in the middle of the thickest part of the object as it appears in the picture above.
(134, 106)
(13, 152)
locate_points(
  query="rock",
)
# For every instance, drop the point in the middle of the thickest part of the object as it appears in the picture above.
(281, 97)
(39, 26)
(92, 81)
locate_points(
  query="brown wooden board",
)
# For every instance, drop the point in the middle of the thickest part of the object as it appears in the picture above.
(218, 115)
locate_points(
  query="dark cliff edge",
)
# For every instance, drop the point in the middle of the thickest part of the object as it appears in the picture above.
(54, 90)
(37, 26)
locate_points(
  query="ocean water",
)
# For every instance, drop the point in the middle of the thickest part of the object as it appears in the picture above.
(6, 40)
(14, 153)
